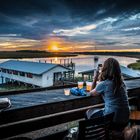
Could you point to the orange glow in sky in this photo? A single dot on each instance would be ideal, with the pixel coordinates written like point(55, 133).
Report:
point(53, 48)
point(56, 44)
point(53, 44)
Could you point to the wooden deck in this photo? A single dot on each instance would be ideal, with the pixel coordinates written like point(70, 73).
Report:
point(38, 98)
point(47, 107)
point(24, 100)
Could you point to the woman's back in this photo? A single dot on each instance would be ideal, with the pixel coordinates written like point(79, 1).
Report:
point(114, 102)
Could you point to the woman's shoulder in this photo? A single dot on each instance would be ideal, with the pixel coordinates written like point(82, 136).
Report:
point(102, 83)
point(107, 81)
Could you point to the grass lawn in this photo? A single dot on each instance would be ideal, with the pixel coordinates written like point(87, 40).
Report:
point(9, 87)
point(135, 66)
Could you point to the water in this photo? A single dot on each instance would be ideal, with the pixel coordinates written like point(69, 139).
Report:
point(82, 62)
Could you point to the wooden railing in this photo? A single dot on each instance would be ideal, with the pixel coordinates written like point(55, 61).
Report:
point(36, 123)
point(22, 120)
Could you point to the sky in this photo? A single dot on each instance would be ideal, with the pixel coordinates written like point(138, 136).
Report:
point(70, 25)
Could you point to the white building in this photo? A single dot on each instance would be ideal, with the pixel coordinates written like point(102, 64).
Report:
point(34, 73)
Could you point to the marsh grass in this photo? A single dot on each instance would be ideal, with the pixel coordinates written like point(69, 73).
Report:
point(10, 87)
point(135, 66)
point(31, 54)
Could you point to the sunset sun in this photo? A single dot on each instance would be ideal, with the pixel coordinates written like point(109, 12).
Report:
point(54, 48)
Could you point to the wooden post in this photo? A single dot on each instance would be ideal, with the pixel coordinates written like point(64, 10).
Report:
point(2, 79)
point(71, 60)
point(60, 61)
point(82, 76)
point(64, 62)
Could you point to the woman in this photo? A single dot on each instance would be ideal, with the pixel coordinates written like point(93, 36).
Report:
point(111, 87)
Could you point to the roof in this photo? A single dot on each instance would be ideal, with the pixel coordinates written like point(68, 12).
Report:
point(87, 71)
point(129, 72)
point(28, 66)
point(125, 71)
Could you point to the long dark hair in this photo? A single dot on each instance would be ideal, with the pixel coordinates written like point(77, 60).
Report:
point(111, 71)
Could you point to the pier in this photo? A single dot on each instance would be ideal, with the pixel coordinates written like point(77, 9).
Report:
point(65, 62)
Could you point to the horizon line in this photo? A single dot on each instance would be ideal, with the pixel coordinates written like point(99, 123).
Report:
point(123, 50)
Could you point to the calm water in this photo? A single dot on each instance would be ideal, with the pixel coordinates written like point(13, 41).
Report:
point(83, 62)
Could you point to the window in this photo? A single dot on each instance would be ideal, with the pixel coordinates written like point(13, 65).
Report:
point(3, 70)
point(21, 73)
point(15, 72)
point(29, 75)
point(9, 71)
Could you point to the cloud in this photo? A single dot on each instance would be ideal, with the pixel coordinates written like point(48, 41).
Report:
point(13, 42)
point(75, 31)
point(110, 19)
point(135, 17)
point(102, 11)
point(10, 35)
point(131, 29)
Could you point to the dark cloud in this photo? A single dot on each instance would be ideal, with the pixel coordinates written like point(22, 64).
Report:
point(22, 7)
point(38, 19)
point(75, 8)
point(108, 43)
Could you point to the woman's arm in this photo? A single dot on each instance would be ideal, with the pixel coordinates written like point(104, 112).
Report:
point(100, 87)
point(95, 79)
point(93, 93)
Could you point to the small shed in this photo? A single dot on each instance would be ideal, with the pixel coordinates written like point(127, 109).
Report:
point(126, 73)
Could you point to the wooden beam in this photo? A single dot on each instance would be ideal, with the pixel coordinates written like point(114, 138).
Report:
point(28, 125)
point(46, 109)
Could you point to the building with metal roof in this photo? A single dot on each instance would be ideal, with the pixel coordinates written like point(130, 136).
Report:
point(35, 73)
point(126, 73)
point(129, 73)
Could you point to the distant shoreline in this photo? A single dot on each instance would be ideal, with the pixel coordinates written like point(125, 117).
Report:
point(31, 54)
point(43, 54)
point(125, 54)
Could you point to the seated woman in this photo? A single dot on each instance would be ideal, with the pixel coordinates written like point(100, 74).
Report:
point(112, 88)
